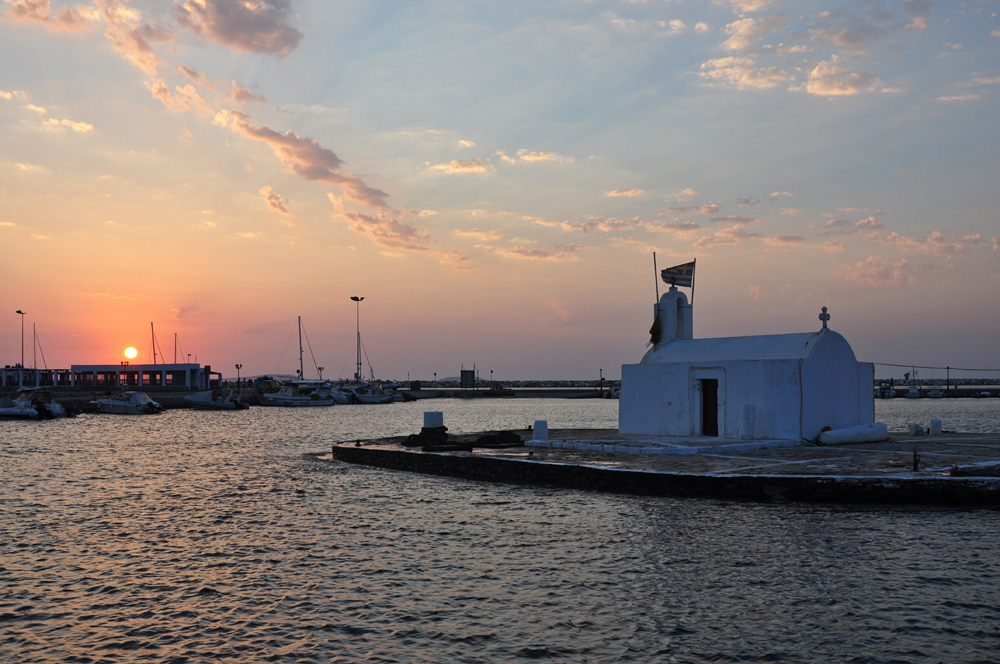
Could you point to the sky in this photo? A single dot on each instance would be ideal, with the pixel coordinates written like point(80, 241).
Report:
point(495, 179)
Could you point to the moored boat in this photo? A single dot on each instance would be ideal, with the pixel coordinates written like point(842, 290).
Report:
point(300, 393)
point(127, 403)
point(217, 400)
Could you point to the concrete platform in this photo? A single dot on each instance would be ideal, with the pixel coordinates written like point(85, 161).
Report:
point(902, 470)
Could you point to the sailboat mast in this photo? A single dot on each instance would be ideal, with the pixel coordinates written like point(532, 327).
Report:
point(152, 335)
point(302, 374)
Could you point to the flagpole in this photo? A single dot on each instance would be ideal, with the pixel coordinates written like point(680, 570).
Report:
point(693, 266)
point(656, 278)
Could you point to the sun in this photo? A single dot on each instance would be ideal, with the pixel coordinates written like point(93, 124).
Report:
point(130, 353)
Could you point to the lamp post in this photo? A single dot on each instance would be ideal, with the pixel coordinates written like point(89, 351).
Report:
point(238, 367)
point(22, 336)
point(320, 370)
point(357, 306)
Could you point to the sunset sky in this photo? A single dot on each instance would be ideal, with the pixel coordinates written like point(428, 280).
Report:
point(493, 178)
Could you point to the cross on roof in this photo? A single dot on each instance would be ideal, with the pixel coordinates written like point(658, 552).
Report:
point(824, 317)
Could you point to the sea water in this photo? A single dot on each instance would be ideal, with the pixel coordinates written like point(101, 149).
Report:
point(218, 537)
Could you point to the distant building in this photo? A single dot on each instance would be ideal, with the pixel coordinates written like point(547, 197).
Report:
point(769, 387)
point(187, 376)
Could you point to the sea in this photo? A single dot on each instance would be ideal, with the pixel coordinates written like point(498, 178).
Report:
point(197, 536)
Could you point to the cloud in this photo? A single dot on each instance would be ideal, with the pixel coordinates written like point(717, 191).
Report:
point(196, 77)
point(996, 247)
point(463, 144)
point(528, 156)
point(726, 236)
point(875, 271)
point(463, 167)
point(558, 314)
point(241, 95)
point(274, 200)
point(747, 6)
point(936, 243)
point(847, 226)
point(745, 31)
point(130, 37)
point(482, 236)
point(306, 158)
point(559, 253)
point(831, 80)
point(627, 193)
point(846, 32)
point(645, 26)
point(736, 220)
point(186, 99)
point(53, 124)
point(389, 232)
point(783, 240)
point(707, 209)
point(742, 73)
point(68, 19)
point(604, 224)
point(259, 26)
point(685, 195)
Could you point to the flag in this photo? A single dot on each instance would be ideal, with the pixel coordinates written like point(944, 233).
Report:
point(679, 275)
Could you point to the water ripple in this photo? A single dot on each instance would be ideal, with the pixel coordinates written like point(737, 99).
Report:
point(194, 537)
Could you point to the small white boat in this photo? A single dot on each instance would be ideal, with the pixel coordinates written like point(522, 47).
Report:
point(217, 400)
point(34, 404)
point(17, 411)
point(363, 392)
point(299, 393)
point(127, 403)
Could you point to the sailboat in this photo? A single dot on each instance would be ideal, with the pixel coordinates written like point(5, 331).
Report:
point(301, 392)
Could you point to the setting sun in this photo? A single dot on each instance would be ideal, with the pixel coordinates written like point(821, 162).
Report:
point(131, 352)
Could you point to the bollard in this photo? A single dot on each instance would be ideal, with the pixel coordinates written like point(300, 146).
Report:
point(433, 419)
point(541, 430)
point(935, 429)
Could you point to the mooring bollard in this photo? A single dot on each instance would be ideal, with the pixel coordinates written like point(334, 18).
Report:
point(541, 430)
point(433, 419)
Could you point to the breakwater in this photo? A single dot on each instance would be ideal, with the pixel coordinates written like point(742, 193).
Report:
point(632, 474)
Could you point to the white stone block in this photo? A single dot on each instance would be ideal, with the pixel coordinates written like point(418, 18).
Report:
point(541, 430)
point(433, 419)
point(936, 428)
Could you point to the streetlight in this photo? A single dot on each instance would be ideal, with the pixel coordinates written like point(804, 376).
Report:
point(357, 306)
point(238, 367)
point(22, 336)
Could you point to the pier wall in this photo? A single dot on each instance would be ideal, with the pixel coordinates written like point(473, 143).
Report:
point(873, 490)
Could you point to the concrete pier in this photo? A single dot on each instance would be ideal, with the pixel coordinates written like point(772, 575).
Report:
point(902, 470)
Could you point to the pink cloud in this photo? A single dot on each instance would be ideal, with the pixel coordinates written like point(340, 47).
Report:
point(247, 27)
point(241, 95)
point(306, 158)
point(69, 19)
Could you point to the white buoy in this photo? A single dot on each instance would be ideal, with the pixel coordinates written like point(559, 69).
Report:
point(541, 430)
point(433, 419)
point(749, 421)
point(935, 427)
point(863, 433)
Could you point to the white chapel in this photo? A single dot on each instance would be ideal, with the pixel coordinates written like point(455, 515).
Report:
point(768, 387)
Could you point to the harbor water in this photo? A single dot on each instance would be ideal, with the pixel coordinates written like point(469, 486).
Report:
point(198, 536)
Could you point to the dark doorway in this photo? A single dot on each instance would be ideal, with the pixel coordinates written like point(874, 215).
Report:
point(710, 407)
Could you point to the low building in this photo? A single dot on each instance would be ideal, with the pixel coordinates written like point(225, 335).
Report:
point(187, 376)
point(768, 387)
